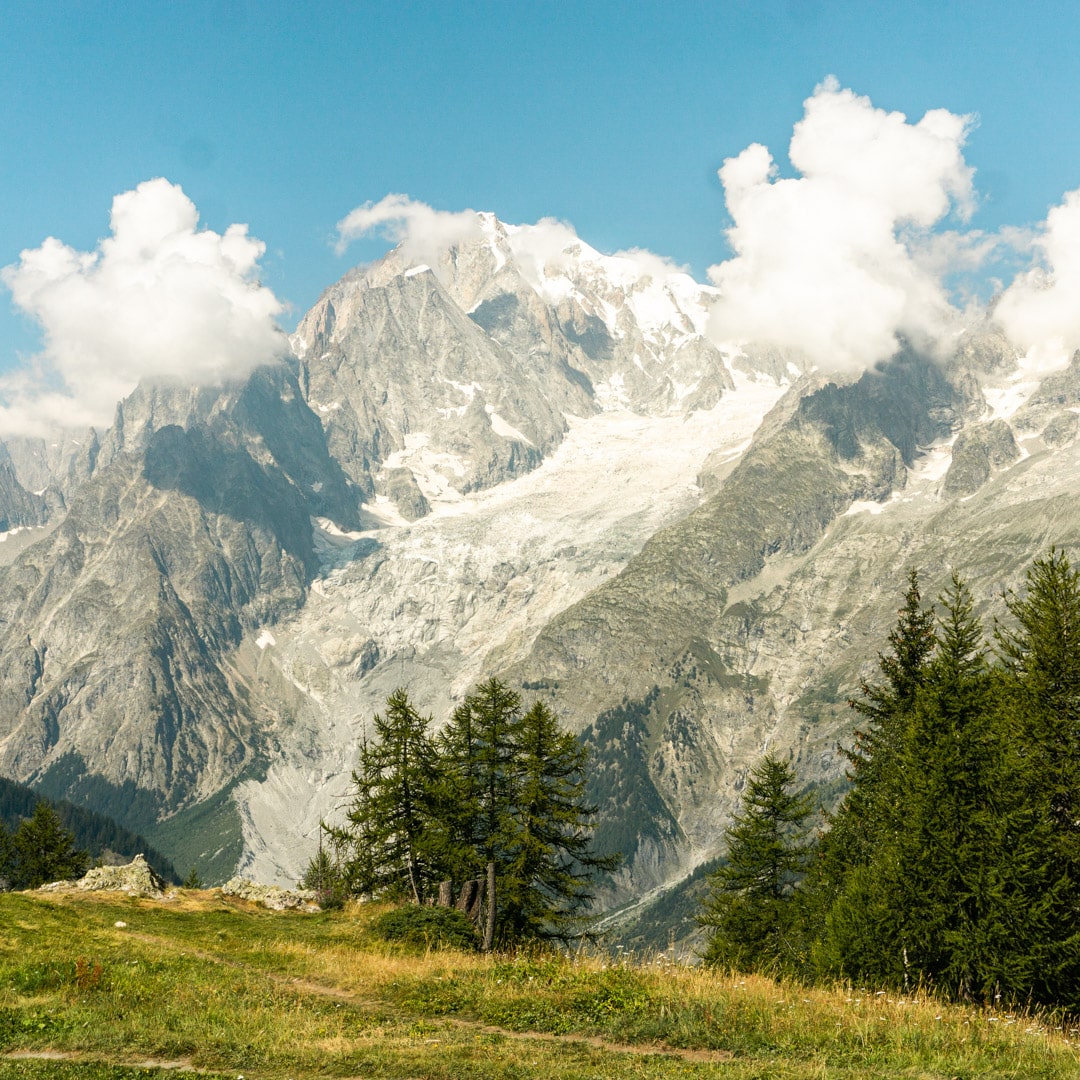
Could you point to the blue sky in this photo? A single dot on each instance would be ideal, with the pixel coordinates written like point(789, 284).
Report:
point(612, 116)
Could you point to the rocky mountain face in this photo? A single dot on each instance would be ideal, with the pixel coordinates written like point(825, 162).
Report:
point(524, 458)
point(119, 682)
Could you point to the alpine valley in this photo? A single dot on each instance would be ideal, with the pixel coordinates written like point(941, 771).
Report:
point(525, 459)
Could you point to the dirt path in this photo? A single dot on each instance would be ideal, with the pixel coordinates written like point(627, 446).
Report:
point(178, 1065)
point(306, 986)
point(597, 1042)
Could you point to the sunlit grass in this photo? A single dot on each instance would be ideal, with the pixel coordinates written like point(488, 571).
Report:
point(231, 989)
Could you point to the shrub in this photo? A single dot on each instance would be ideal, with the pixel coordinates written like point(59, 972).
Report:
point(426, 927)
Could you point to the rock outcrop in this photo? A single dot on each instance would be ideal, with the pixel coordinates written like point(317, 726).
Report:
point(273, 897)
point(136, 878)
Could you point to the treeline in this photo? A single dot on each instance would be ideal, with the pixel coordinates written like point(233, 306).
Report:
point(953, 862)
point(487, 815)
point(93, 835)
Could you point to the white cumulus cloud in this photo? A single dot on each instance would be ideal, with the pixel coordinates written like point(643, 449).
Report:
point(1040, 311)
point(421, 232)
point(158, 298)
point(827, 262)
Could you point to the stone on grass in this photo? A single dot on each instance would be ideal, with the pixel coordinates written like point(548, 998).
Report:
point(271, 896)
point(137, 878)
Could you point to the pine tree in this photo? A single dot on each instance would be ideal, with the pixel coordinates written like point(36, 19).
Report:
point(752, 909)
point(516, 815)
point(1041, 659)
point(842, 914)
point(482, 761)
point(870, 809)
point(550, 863)
point(45, 851)
point(393, 823)
point(945, 899)
point(939, 855)
point(498, 795)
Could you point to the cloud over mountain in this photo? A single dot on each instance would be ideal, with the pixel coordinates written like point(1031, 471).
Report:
point(422, 231)
point(158, 298)
point(825, 262)
point(1040, 311)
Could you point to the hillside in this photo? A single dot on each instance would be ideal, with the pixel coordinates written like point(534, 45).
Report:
point(94, 833)
point(519, 458)
point(200, 983)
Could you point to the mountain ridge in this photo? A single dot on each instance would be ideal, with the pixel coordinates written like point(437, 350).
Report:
point(518, 458)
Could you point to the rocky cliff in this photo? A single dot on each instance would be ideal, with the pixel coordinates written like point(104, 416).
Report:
point(520, 459)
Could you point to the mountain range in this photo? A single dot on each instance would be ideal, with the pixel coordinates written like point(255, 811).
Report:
point(525, 459)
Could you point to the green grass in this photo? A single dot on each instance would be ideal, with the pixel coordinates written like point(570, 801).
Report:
point(231, 990)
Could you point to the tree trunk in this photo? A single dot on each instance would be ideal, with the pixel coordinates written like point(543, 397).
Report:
point(470, 898)
point(413, 882)
point(489, 929)
point(446, 895)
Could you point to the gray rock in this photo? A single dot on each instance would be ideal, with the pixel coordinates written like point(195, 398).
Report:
point(137, 878)
point(401, 488)
point(1061, 430)
point(271, 896)
point(977, 452)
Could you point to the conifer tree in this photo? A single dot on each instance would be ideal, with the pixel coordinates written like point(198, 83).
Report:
point(550, 863)
point(842, 913)
point(1041, 658)
point(869, 812)
point(394, 826)
point(482, 777)
point(752, 909)
point(946, 899)
point(516, 814)
point(498, 795)
point(43, 850)
point(945, 761)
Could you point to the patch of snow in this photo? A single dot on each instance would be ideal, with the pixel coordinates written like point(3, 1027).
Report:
point(611, 393)
point(41, 492)
point(865, 506)
point(933, 463)
point(332, 407)
point(265, 638)
point(503, 428)
point(1005, 400)
point(684, 390)
point(13, 532)
point(328, 527)
point(468, 389)
point(423, 268)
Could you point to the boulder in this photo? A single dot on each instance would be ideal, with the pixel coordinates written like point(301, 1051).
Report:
point(273, 897)
point(137, 878)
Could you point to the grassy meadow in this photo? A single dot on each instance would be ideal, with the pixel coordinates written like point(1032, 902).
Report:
point(104, 987)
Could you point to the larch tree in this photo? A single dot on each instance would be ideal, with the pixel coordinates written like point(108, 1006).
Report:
point(393, 834)
point(550, 863)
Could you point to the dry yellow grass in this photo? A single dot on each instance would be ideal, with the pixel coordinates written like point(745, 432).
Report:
point(233, 988)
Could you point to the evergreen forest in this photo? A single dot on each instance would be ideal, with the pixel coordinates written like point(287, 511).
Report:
point(487, 816)
point(953, 862)
point(43, 840)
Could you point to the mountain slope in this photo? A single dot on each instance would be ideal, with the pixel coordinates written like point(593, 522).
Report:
point(524, 458)
point(118, 628)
